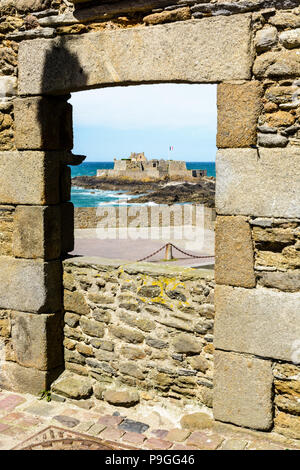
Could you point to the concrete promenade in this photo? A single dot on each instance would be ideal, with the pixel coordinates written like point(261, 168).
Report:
point(87, 244)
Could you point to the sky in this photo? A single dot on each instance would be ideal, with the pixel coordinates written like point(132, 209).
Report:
point(113, 122)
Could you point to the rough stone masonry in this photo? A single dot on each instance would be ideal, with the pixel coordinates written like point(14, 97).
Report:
point(250, 48)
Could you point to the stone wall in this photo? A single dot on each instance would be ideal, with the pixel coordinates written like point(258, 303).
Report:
point(251, 49)
point(139, 327)
point(90, 217)
point(6, 229)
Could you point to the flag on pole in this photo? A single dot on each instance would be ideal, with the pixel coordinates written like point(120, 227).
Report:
point(171, 148)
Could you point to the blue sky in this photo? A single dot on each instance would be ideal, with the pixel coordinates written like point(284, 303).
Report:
point(113, 122)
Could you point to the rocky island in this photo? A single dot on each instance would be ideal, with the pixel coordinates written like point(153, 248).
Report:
point(158, 181)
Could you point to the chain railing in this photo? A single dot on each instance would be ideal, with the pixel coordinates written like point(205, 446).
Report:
point(167, 247)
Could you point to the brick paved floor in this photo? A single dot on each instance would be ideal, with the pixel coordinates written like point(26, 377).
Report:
point(22, 416)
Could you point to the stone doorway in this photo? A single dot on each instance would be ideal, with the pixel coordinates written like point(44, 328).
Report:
point(252, 335)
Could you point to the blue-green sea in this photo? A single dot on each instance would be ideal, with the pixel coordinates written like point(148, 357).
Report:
point(95, 197)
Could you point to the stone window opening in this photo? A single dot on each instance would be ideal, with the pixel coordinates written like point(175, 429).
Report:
point(256, 328)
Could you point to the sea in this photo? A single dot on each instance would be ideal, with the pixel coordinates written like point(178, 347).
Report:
point(95, 197)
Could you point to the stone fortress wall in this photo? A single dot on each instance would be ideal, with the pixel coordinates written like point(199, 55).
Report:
point(137, 167)
point(250, 48)
point(150, 216)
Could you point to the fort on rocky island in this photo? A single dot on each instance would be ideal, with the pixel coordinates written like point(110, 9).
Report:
point(137, 166)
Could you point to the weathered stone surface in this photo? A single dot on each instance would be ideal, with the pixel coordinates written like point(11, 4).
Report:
point(280, 118)
point(179, 14)
point(243, 390)
point(244, 324)
point(234, 252)
point(30, 285)
point(73, 334)
point(272, 140)
point(288, 258)
point(277, 65)
point(72, 319)
point(199, 363)
point(37, 232)
point(31, 34)
point(101, 370)
point(156, 343)
point(41, 60)
point(84, 349)
point(288, 404)
point(281, 94)
point(265, 38)
point(8, 86)
point(75, 357)
point(137, 321)
point(5, 327)
point(196, 421)
point(288, 387)
point(43, 123)
point(184, 343)
point(130, 368)
point(104, 355)
point(266, 235)
point(127, 334)
point(286, 371)
point(257, 186)
point(121, 398)
point(92, 327)
point(266, 129)
point(75, 302)
point(149, 291)
point(238, 110)
point(287, 281)
point(288, 425)
point(177, 294)
point(133, 353)
point(69, 281)
point(25, 6)
point(6, 229)
point(37, 340)
point(285, 19)
point(102, 344)
point(25, 379)
point(290, 39)
point(98, 390)
point(29, 177)
point(72, 386)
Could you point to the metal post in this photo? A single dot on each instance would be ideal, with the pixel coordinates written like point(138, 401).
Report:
point(169, 254)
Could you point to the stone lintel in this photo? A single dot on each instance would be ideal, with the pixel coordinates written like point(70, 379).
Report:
point(184, 51)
